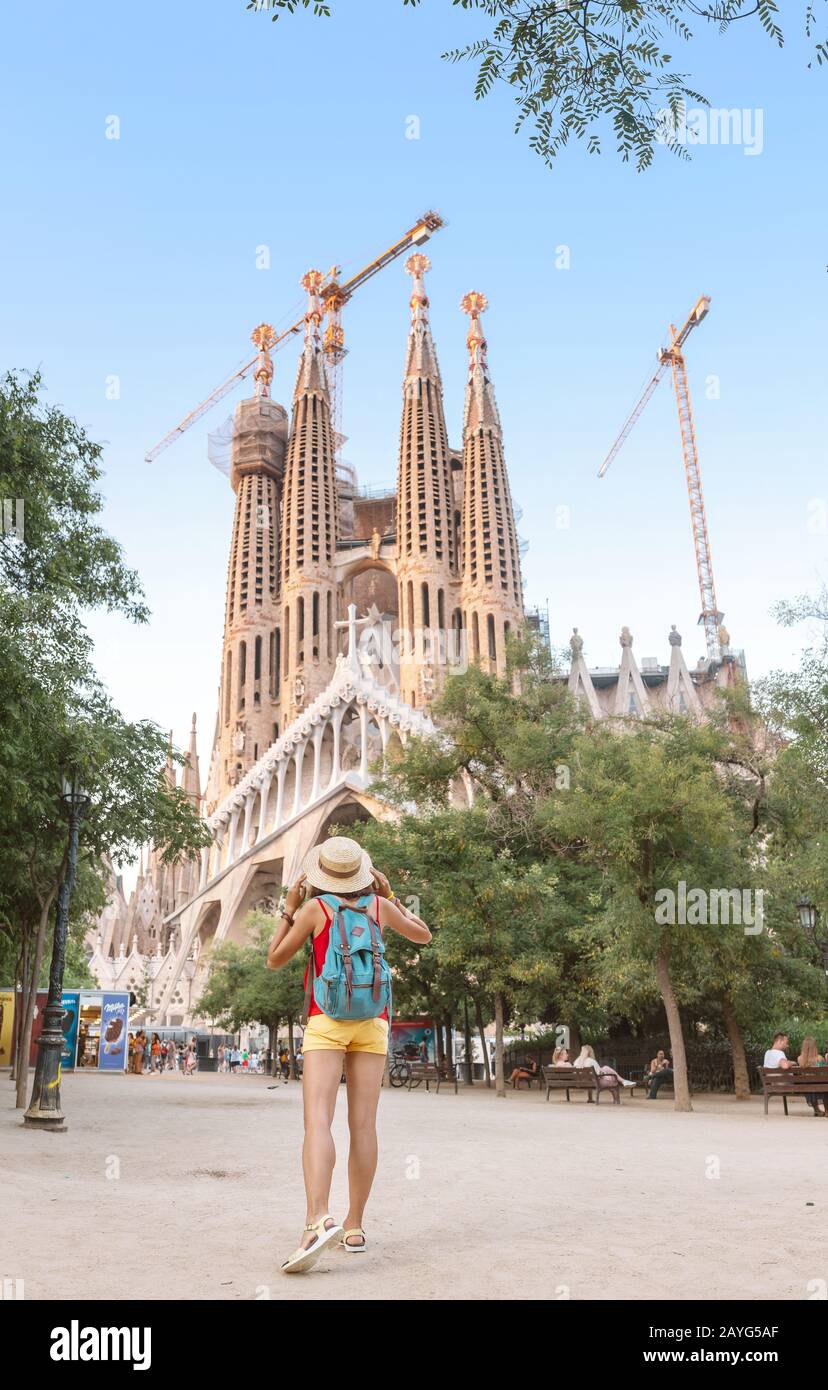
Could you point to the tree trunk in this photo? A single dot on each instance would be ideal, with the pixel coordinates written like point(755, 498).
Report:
point(292, 1051)
point(468, 1043)
point(681, 1087)
point(481, 1028)
point(27, 1003)
point(19, 994)
point(439, 1050)
point(449, 1044)
point(741, 1079)
point(499, 1060)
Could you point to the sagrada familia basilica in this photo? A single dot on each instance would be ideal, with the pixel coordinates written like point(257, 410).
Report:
point(346, 610)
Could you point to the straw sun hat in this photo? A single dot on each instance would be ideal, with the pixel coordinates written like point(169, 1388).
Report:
point(338, 865)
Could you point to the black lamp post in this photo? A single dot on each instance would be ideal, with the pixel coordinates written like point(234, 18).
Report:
point(808, 918)
point(44, 1110)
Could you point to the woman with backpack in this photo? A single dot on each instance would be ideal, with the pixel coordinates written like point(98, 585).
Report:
point(342, 904)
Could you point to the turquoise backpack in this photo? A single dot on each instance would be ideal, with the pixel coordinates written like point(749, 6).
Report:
point(355, 982)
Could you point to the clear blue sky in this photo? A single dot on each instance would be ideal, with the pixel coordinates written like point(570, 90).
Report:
point(136, 258)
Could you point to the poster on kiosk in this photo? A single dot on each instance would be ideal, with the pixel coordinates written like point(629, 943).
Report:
point(103, 1032)
point(114, 1032)
point(70, 1003)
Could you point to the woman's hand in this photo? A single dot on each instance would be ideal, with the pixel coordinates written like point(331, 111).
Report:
point(296, 896)
point(381, 884)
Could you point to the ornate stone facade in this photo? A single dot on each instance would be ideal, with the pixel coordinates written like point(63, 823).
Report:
point(345, 612)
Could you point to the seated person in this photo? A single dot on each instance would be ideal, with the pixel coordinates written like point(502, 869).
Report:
point(657, 1064)
point(661, 1074)
point(586, 1058)
point(560, 1058)
point(775, 1055)
point(526, 1072)
point(810, 1057)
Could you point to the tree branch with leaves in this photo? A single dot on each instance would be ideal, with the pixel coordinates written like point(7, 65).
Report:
point(576, 67)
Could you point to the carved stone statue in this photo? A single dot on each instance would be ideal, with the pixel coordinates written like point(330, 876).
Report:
point(576, 644)
point(626, 637)
point(675, 637)
point(376, 543)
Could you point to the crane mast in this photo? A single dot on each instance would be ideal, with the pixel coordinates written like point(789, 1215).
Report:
point(672, 357)
point(334, 296)
point(710, 617)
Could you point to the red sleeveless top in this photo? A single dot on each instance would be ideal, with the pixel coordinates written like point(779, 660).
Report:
point(320, 950)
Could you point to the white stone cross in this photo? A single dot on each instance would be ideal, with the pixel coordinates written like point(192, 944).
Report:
point(352, 622)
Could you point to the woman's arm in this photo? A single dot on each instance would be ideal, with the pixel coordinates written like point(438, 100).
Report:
point(290, 935)
point(394, 915)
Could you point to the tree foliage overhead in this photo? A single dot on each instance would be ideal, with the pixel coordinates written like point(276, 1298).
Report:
point(56, 564)
point(576, 67)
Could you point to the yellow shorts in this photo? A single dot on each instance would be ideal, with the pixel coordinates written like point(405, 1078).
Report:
point(335, 1035)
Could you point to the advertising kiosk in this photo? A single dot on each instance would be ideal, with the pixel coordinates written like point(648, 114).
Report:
point(95, 1028)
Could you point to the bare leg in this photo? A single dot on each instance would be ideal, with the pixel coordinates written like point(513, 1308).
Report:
point(363, 1076)
point(323, 1069)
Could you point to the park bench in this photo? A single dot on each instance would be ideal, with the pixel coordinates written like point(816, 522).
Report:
point(429, 1072)
point(580, 1079)
point(793, 1081)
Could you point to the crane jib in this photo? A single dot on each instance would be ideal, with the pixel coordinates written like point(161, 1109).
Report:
point(333, 294)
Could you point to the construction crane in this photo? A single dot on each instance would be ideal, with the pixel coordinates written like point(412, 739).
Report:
point(673, 356)
point(335, 296)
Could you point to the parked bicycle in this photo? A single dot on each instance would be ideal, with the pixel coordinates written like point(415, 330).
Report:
point(399, 1072)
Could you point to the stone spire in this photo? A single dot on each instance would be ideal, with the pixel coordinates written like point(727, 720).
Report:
point(492, 595)
point(421, 356)
point(309, 523)
point(426, 528)
point(264, 337)
point(190, 777)
point(481, 407)
point(169, 766)
point(250, 715)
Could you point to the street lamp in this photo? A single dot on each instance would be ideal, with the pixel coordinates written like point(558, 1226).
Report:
point(808, 918)
point(44, 1110)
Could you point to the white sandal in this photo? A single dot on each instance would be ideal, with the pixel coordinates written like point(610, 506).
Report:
point(353, 1249)
point(305, 1257)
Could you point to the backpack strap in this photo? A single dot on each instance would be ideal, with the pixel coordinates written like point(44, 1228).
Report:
point(373, 927)
point(346, 954)
point(311, 970)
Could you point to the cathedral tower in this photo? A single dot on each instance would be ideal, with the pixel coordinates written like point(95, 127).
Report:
point(491, 584)
point(427, 572)
point(249, 708)
point(309, 525)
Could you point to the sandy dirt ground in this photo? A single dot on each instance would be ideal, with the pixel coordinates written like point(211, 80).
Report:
point(173, 1188)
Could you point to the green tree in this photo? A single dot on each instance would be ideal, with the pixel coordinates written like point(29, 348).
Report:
point(795, 704)
point(498, 887)
point(486, 909)
point(651, 813)
point(584, 67)
point(58, 720)
point(241, 989)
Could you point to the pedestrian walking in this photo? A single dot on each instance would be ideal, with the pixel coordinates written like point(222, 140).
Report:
point(347, 1006)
